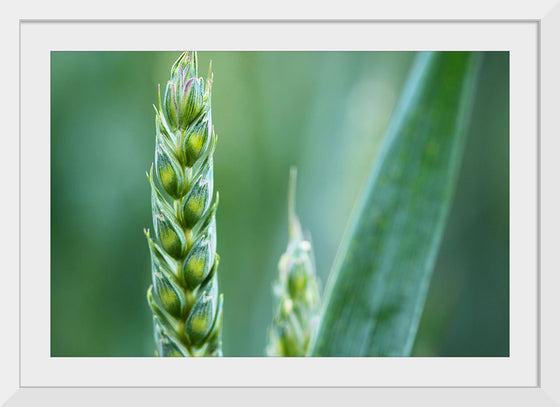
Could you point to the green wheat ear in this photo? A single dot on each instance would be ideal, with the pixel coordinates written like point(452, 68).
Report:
point(296, 291)
point(184, 296)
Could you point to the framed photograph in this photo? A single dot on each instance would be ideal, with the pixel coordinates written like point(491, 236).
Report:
point(470, 297)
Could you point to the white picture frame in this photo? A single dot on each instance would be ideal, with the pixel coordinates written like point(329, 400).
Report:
point(31, 376)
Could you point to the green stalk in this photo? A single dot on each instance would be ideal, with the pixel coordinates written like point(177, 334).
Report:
point(184, 298)
point(296, 291)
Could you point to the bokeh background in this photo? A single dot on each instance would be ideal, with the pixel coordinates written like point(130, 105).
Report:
point(326, 113)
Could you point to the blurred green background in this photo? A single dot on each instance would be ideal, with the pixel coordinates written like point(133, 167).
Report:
point(324, 112)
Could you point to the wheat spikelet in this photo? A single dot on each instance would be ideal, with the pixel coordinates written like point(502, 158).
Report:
point(295, 290)
point(184, 297)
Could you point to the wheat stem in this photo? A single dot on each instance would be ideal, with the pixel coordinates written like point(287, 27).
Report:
point(184, 297)
point(295, 290)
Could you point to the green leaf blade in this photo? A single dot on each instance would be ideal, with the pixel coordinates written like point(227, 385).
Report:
point(377, 288)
